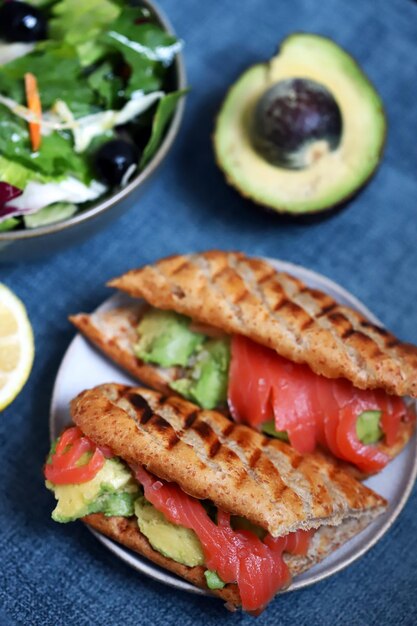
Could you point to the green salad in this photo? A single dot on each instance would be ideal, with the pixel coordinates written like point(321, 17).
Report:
point(85, 99)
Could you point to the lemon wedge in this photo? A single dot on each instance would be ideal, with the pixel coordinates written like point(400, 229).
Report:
point(16, 346)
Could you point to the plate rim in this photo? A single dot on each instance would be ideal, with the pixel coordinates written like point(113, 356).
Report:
point(150, 569)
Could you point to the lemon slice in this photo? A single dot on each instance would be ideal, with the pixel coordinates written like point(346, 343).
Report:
point(16, 346)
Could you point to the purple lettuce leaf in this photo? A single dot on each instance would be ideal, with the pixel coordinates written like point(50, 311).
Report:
point(8, 193)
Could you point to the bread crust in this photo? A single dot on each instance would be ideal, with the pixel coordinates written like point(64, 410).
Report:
point(114, 332)
point(240, 470)
point(244, 295)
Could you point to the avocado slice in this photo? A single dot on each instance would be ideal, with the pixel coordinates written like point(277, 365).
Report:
point(112, 491)
point(165, 338)
point(269, 429)
point(206, 379)
point(172, 540)
point(213, 580)
point(368, 427)
point(333, 160)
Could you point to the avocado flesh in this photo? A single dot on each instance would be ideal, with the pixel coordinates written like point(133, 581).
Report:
point(213, 580)
point(173, 541)
point(338, 174)
point(165, 339)
point(368, 427)
point(112, 491)
point(269, 429)
point(206, 381)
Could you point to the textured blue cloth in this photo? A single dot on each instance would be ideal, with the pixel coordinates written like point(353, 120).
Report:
point(53, 575)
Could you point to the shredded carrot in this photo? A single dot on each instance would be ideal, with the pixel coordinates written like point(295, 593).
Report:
point(34, 104)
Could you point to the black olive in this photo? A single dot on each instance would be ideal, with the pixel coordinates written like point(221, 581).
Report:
point(295, 123)
point(113, 159)
point(22, 22)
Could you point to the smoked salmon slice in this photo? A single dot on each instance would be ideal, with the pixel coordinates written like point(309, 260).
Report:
point(312, 409)
point(238, 556)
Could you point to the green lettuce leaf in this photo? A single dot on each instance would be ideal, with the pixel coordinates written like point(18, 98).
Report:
point(145, 47)
point(80, 22)
point(58, 73)
point(106, 85)
point(8, 224)
point(164, 112)
point(50, 214)
point(16, 174)
point(39, 3)
point(56, 157)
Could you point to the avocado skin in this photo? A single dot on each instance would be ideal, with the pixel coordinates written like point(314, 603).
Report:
point(326, 209)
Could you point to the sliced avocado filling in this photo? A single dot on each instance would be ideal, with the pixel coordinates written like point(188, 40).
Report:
point(173, 541)
point(213, 580)
point(269, 429)
point(166, 340)
point(112, 491)
point(368, 428)
point(206, 379)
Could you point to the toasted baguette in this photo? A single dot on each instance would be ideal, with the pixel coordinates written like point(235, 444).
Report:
point(114, 332)
point(210, 457)
point(248, 296)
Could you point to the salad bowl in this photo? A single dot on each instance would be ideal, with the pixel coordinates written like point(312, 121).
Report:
point(22, 244)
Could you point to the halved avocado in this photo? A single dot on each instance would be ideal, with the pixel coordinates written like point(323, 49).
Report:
point(302, 132)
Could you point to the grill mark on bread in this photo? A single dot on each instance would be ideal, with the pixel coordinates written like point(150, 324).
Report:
point(313, 302)
point(229, 429)
point(256, 288)
point(254, 458)
point(307, 323)
point(326, 309)
point(331, 318)
point(380, 339)
point(180, 267)
point(203, 429)
point(247, 446)
point(347, 333)
point(214, 448)
point(190, 419)
point(140, 403)
point(204, 267)
point(199, 435)
point(299, 483)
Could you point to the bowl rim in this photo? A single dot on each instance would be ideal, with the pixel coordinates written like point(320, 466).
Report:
point(145, 174)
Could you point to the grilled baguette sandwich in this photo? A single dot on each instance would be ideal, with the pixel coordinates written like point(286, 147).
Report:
point(234, 471)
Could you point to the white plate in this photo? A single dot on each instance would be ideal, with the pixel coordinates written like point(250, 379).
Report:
point(83, 367)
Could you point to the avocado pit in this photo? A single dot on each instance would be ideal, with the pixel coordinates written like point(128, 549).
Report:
point(296, 122)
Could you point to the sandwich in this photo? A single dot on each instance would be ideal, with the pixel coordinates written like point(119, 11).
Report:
point(217, 503)
point(232, 333)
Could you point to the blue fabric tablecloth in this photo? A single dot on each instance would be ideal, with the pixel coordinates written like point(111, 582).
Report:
point(54, 575)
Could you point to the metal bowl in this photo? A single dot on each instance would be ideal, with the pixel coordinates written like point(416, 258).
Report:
point(27, 244)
